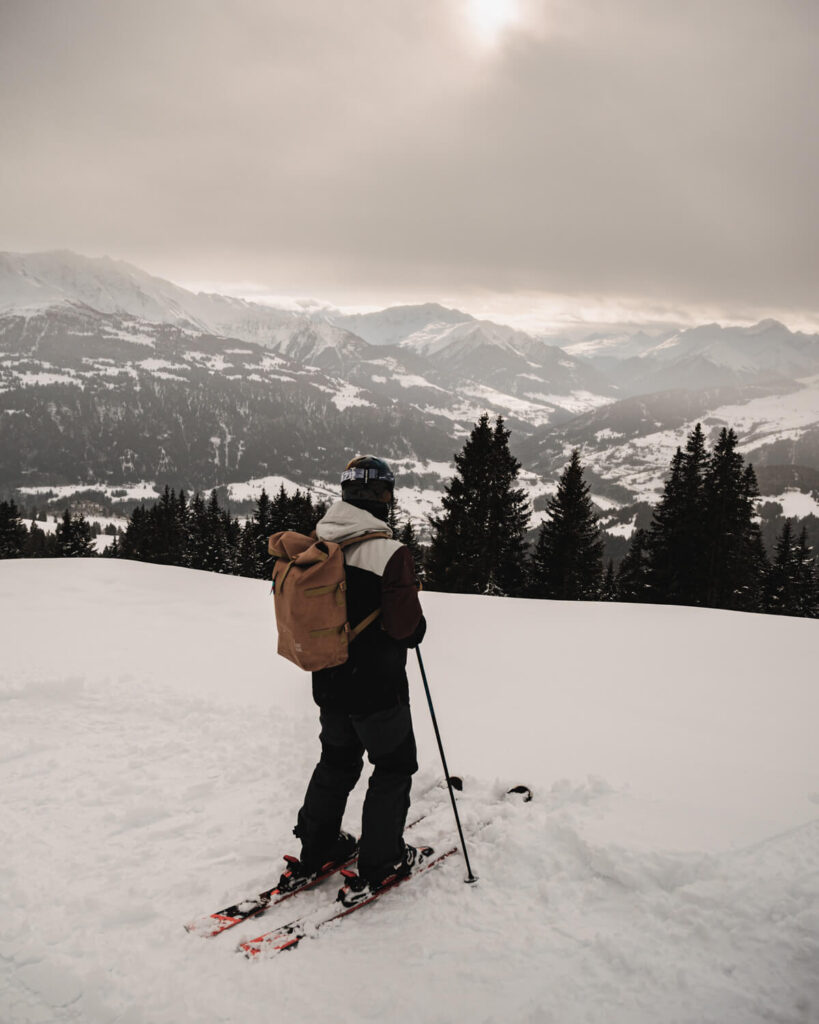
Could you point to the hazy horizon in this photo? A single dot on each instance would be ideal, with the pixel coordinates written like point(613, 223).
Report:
point(533, 314)
point(535, 162)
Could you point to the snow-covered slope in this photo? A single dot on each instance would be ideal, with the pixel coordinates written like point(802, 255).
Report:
point(316, 341)
point(512, 361)
point(631, 444)
point(454, 340)
point(704, 356)
point(391, 326)
point(154, 752)
point(43, 279)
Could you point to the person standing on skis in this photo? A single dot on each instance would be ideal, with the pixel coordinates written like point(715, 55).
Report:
point(364, 703)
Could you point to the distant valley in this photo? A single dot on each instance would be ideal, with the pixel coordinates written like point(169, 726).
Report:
point(112, 379)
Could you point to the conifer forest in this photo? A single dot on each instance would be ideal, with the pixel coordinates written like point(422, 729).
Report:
point(703, 545)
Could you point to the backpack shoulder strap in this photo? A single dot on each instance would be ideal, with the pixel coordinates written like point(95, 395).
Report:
point(370, 619)
point(364, 536)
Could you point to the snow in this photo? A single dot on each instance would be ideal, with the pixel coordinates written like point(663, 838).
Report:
point(27, 380)
point(154, 751)
point(622, 529)
point(161, 364)
point(250, 490)
point(606, 504)
point(445, 470)
point(347, 395)
point(143, 491)
point(577, 402)
point(795, 503)
point(530, 412)
point(641, 464)
point(411, 380)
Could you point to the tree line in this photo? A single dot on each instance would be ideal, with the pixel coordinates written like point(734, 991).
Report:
point(703, 546)
point(73, 537)
point(194, 533)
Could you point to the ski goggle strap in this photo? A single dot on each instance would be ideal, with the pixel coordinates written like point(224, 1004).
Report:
point(366, 475)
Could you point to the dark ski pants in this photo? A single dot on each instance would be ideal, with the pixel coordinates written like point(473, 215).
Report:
point(389, 742)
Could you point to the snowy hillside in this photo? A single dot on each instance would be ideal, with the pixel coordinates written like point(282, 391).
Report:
point(153, 753)
point(630, 444)
point(704, 357)
point(310, 340)
point(391, 326)
point(40, 280)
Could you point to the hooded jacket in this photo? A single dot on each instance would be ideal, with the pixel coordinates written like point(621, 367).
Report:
point(380, 574)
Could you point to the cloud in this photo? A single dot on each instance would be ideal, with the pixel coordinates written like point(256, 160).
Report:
point(646, 149)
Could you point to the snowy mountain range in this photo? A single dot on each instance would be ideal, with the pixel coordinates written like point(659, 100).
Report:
point(109, 375)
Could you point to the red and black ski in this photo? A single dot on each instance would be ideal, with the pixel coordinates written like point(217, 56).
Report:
point(253, 906)
point(215, 924)
point(288, 936)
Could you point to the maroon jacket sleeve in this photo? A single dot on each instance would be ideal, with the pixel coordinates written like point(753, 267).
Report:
point(401, 614)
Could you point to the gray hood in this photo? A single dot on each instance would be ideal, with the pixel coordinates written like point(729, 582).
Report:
point(344, 521)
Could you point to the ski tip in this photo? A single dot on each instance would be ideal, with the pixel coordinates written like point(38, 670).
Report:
point(523, 791)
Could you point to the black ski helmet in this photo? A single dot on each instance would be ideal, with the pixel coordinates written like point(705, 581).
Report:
point(367, 478)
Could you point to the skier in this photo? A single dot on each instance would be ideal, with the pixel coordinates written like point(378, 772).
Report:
point(364, 703)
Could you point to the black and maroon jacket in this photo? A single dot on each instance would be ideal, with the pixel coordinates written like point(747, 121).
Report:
point(380, 574)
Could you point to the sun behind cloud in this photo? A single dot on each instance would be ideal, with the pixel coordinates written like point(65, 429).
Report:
point(488, 19)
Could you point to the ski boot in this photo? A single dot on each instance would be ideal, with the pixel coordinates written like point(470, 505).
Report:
point(298, 874)
point(358, 889)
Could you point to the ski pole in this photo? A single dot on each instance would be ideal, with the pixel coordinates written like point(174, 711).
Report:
point(469, 877)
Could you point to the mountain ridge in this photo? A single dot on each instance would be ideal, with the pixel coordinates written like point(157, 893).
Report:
point(623, 402)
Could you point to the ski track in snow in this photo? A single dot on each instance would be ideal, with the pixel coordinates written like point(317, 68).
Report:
point(144, 783)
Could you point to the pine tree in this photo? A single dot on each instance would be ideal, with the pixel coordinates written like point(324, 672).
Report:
point(183, 530)
point(691, 539)
point(232, 531)
point(408, 536)
point(663, 537)
point(217, 553)
point(478, 542)
point(280, 512)
point(301, 515)
point(199, 534)
point(735, 560)
point(633, 576)
point(392, 516)
point(608, 591)
point(260, 527)
point(455, 556)
point(791, 584)
point(38, 543)
point(137, 541)
point(13, 534)
point(568, 558)
point(677, 542)
point(509, 516)
point(113, 549)
point(807, 580)
point(249, 563)
point(780, 586)
point(169, 539)
point(73, 537)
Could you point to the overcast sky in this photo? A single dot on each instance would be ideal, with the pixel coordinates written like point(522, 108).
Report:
point(638, 156)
